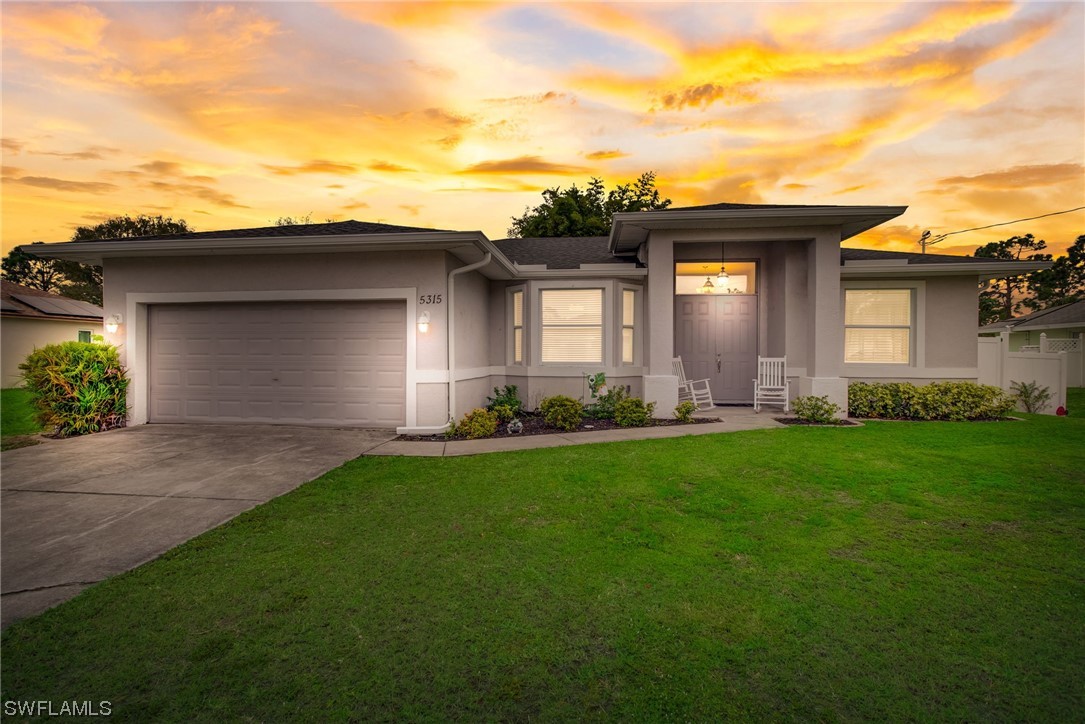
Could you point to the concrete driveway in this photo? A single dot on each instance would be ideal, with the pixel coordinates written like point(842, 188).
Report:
point(77, 511)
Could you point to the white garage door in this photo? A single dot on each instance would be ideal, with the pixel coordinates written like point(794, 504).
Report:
point(323, 363)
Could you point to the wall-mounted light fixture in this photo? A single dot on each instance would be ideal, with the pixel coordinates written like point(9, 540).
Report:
point(423, 322)
point(113, 323)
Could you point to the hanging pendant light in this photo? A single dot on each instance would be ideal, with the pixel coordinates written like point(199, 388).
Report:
point(708, 287)
point(723, 276)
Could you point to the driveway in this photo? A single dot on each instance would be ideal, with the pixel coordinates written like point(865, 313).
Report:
point(77, 511)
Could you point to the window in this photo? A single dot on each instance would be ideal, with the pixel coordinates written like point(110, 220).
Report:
point(518, 327)
point(629, 307)
point(84, 335)
point(572, 325)
point(878, 326)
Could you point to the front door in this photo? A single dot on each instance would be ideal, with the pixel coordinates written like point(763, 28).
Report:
point(716, 336)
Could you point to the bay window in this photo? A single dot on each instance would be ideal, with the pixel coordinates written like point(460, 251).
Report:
point(571, 325)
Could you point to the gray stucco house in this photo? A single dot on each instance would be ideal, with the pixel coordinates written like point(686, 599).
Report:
point(361, 324)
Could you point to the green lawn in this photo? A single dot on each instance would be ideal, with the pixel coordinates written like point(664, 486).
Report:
point(16, 418)
point(1075, 401)
point(896, 571)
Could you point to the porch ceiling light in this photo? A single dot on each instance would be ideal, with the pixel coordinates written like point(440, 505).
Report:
point(113, 323)
point(723, 276)
point(423, 322)
point(708, 287)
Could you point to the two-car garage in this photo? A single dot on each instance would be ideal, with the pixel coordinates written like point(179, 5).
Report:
point(290, 362)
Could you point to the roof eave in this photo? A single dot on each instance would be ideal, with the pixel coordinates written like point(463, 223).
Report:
point(93, 252)
point(993, 270)
point(862, 218)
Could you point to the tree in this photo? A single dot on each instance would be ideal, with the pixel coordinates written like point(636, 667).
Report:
point(1063, 283)
point(1003, 298)
point(84, 281)
point(32, 271)
point(586, 212)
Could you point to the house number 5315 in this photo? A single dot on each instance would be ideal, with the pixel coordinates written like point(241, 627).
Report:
point(429, 299)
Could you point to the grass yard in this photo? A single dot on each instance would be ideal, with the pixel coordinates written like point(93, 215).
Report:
point(16, 419)
point(895, 571)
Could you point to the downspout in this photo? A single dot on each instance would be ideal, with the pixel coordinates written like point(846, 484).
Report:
point(450, 326)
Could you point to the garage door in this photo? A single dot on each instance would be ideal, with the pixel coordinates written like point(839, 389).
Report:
point(322, 363)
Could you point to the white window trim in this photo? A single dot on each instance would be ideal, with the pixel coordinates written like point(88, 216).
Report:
point(509, 343)
point(537, 288)
point(918, 352)
point(637, 325)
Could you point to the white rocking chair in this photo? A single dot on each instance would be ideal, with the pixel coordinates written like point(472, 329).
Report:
point(696, 391)
point(771, 385)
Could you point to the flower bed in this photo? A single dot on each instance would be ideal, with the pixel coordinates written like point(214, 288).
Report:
point(535, 425)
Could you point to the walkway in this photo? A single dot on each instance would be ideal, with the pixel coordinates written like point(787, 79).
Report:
point(733, 419)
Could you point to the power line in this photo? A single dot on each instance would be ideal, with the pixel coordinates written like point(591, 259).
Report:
point(926, 240)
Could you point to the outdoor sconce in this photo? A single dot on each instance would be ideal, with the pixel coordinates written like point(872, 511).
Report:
point(113, 323)
point(423, 322)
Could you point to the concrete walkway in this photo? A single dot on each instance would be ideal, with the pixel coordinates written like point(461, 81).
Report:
point(77, 511)
point(733, 419)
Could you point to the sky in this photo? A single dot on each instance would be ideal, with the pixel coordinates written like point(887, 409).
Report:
point(456, 115)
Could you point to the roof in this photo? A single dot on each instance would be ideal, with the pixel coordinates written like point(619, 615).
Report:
point(910, 257)
point(331, 228)
point(17, 300)
point(733, 207)
point(1064, 315)
point(560, 252)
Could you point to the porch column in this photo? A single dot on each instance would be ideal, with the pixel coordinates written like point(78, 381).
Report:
point(660, 383)
point(825, 325)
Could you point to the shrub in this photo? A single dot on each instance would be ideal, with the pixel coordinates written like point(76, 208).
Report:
point(603, 408)
point(509, 396)
point(1031, 395)
point(77, 387)
point(477, 423)
point(816, 409)
point(562, 412)
point(684, 411)
point(504, 413)
point(632, 412)
point(935, 401)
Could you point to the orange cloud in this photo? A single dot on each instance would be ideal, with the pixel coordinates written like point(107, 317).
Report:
point(316, 166)
point(58, 184)
point(605, 155)
point(389, 167)
point(1021, 176)
point(525, 165)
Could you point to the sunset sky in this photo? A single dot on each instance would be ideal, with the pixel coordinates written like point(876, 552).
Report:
point(456, 115)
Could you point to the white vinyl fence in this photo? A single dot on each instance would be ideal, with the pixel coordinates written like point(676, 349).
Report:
point(998, 366)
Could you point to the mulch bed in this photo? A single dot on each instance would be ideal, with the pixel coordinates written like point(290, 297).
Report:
point(797, 421)
point(535, 425)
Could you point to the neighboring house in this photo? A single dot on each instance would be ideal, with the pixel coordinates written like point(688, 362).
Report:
point(1066, 321)
point(1046, 332)
point(31, 318)
point(361, 324)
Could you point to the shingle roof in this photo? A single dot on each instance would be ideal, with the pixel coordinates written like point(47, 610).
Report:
point(1072, 313)
point(334, 228)
point(911, 256)
point(21, 301)
point(561, 252)
point(569, 252)
point(728, 207)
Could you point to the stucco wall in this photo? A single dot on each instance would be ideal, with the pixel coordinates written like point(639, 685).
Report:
point(952, 317)
point(289, 276)
point(20, 337)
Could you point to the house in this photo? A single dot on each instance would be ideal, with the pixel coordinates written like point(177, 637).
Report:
point(1066, 321)
point(31, 318)
point(1048, 331)
point(363, 324)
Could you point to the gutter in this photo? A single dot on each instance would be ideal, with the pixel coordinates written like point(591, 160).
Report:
point(981, 270)
point(450, 327)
